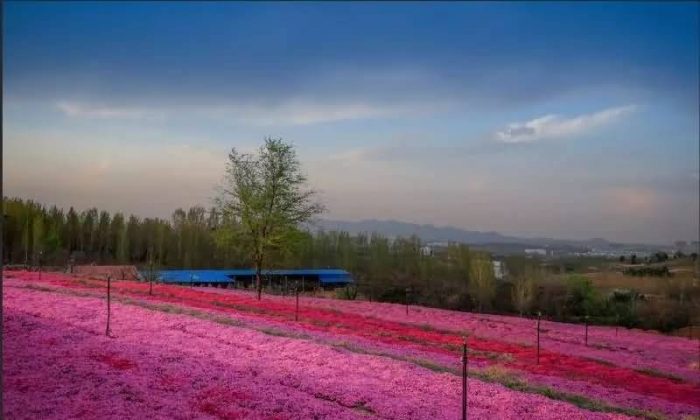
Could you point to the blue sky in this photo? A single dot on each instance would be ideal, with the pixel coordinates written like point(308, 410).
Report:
point(540, 119)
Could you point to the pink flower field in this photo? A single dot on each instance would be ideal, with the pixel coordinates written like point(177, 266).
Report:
point(189, 353)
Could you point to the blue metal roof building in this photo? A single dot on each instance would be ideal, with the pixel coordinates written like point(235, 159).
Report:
point(327, 278)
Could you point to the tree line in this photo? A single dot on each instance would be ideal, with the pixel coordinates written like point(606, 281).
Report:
point(385, 269)
point(34, 234)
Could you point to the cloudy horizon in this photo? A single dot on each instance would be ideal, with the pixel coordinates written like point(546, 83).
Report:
point(567, 121)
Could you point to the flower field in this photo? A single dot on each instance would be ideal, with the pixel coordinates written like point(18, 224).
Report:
point(208, 353)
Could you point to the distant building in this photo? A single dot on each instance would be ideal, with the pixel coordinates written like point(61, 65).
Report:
point(536, 251)
point(426, 251)
point(498, 270)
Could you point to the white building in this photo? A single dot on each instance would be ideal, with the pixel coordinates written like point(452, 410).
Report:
point(426, 251)
point(536, 251)
point(499, 270)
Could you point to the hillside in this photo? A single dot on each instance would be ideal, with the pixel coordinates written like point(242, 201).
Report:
point(215, 353)
point(432, 233)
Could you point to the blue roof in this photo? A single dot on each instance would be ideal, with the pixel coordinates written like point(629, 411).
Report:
point(325, 276)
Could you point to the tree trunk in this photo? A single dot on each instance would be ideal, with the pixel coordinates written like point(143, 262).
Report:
point(258, 281)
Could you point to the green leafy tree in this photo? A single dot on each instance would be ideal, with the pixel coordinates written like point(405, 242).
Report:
point(26, 240)
point(73, 233)
point(582, 298)
point(103, 240)
point(38, 237)
point(89, 220)
point(53, 240)
point(266, 200)
point(116, 232)
point(123, 246)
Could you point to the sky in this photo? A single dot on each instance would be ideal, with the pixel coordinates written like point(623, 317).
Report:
point(566, 120)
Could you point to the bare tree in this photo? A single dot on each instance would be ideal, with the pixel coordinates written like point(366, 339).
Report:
point(264, 201)
point(481, 281)
point(524, 286)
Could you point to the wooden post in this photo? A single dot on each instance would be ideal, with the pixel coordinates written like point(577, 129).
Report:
point(539, 315)
point(296, 314)
point(407, 291)
point(151, 273)
point(109, 302)
point(464, 380)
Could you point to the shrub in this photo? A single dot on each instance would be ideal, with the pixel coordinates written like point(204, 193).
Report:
point(346, 293)
point(648, 271)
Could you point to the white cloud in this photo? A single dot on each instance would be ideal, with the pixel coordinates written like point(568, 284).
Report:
point(555, 126)
point(293, 112)
point(81, 110)
point(302, 112)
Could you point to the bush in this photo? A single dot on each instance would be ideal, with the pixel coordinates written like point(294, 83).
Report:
point(661, 315)
point(582, 299)
point(648, 271)
point(346, 293)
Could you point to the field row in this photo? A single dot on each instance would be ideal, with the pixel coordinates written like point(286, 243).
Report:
point(371, 358)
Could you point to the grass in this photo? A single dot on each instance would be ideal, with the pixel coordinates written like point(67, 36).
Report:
point(435, 367)
point(363, 408)
point(601, 361)
point(609, 280)
point(491, 355)
point(280, 333)
point(659, 374)
point(503, 376)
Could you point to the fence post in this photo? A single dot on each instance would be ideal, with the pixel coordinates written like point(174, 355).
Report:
point(151, 274)
point(539, 315)
point(40, 254)
point(586, 339)
point(109, 302)
point(296, 313)
point(464, 379)
point(408, 290)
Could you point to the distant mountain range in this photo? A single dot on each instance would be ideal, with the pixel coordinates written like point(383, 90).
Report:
point(431, 233)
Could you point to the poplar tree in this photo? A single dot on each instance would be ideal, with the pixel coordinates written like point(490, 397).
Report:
point(265, 200)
